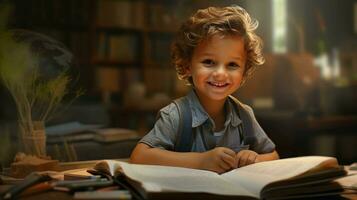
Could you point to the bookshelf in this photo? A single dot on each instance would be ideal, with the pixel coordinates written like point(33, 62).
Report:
point(133, 38)
point(115, 43)
point(66, 21)
point(131, 34)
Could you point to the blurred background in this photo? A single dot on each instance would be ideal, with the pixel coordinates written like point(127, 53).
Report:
point(304, 96)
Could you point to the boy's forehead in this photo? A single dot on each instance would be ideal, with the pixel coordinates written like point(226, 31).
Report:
point(220, 41)
point(214, 39)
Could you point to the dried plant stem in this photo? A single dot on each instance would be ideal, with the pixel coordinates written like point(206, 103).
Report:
point(36, 98)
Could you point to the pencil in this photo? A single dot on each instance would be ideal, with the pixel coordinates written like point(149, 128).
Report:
point(29, 181)
point(41, 187)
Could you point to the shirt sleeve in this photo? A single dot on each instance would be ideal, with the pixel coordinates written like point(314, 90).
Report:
point(163, 134)
point(255, 136)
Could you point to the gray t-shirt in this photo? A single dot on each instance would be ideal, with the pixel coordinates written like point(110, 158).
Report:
point(164, 133)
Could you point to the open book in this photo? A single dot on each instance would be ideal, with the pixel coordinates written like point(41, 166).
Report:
point(280, 179)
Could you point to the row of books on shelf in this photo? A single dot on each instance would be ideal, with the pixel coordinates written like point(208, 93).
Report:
point(109, 13)
point(63, 13)
point(117, 47)
point(160, 46)
point(120, 79)
point(135, 14)
point(127, 48)
point(128, 14)
point(164, 17)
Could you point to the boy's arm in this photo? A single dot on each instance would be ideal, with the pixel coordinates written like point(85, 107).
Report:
point(144, 154)
point(219, 159)
point(268, 156)
point(247, 157)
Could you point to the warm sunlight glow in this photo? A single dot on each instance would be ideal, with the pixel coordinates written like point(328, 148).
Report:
point(279, 26)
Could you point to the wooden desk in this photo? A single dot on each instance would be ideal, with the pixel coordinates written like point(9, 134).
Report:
point(57, 195)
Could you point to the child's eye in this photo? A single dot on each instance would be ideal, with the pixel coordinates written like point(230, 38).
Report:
point(208, 62)
point(233, 65)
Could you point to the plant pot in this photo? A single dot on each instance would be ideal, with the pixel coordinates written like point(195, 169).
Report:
point(33, 138)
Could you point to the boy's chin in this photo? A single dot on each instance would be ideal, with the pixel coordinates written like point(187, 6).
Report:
point(217, 97)
point(213, 95)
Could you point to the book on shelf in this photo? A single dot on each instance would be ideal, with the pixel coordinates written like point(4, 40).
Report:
point(164, 17)
point(297, 177)
point(160, 46)
point(131, 75)
point(166, 75)
point(117, 47)
point(102, 48)
point(123, 48)
point(114, 13)
point(108, 79)
point(124, 14)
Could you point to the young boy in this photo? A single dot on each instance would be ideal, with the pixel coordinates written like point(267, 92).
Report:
point(215, 50)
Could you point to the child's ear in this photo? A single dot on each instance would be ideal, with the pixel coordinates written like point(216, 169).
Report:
point(188, 71)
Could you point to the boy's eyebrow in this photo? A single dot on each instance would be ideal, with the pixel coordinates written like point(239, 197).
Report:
point(207, 54)
point(212, 54)
point(237, 58)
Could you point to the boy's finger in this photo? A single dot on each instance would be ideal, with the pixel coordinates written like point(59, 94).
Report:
point(243, 160)
point(230, 160)
point(236, 161)
point(229, 152)
point(238, 157)
point(251, 158)
point(224, 165)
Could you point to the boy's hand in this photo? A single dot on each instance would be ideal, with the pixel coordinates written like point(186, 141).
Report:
point(219, 159)
point(246, 157)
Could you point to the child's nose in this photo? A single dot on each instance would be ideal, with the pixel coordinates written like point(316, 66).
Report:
point(220, 71)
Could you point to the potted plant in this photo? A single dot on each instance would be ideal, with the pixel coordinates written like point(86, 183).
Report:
point(34, 68)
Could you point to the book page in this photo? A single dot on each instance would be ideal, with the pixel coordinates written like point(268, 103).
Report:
point(77, 174)
point(254, 177)
point(349, 181)
point(108, 166)
point(155, 178)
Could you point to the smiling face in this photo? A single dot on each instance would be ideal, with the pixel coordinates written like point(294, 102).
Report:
point(217, 67)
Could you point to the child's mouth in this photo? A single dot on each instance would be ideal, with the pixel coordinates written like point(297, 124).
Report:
point(219, 85)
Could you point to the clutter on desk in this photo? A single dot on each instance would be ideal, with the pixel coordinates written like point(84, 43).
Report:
point(115, 194)
point(44, 181)
point(82, 185)
point(29, 181)
point(78, 174)
point(24, 164)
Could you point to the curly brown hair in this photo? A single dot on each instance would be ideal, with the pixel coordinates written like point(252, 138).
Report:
point(205, 23)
